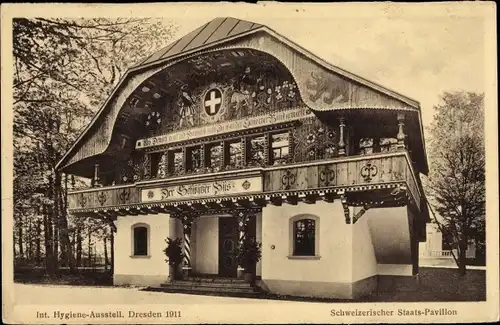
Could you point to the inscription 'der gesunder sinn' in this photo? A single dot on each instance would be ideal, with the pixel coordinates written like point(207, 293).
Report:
point(197, 189)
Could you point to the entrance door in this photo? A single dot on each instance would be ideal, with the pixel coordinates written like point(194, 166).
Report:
point(228, 241)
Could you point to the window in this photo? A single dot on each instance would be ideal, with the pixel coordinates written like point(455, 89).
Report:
point(214, 156)
point(140, 240)
point(155, 161)
point(234, 154)
point(388, 144)
point(257, 149)
point(366, 146)
point(304, 237)
point(279, 147)
point(176, 162)
point(193, 157)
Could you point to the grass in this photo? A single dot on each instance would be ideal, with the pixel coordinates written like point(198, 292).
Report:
point(435, 284)
point(439, 284)
point(83, 277)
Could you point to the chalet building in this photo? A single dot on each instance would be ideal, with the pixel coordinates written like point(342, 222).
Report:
point(233, 132)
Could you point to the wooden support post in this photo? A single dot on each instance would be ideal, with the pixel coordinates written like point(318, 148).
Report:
point(342, 151)
point(187, 222)
point(242, 223)
point(243, 151)
point(97, 180)
point(267, 149)
point(401, 137)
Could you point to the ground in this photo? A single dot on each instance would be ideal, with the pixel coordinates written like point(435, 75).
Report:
point(436, 284)
point(33, 294)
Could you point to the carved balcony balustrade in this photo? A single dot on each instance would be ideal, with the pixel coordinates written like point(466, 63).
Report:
point(378, 179)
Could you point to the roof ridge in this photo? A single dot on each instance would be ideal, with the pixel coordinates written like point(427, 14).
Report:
point(189, 37)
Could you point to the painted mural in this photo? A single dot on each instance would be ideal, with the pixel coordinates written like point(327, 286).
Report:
point(327, 88)
point(221, 86)
point(321, 88)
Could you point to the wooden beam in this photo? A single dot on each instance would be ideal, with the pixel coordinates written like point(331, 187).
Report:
point(214, 205)
point(245, 203)
point(131, 211)
point(149, 210)
point(120, 212)
point(310, 198)
point(236, 203)
point(228, 204)
point(276, 200)
point(201, 206)
point(188, 207)
point(160, 209)
point(329, 197)
point(292, 199)
point(260, 202)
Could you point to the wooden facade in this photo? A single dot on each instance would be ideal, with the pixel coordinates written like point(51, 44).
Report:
point(374, 173)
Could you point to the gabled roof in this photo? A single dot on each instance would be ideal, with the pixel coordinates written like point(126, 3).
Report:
point(215, 32)
point(212, 32)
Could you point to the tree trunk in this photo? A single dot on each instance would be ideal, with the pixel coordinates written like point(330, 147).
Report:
point(38, 241)
point(79, 253)
point(112, 240)
point(462, 255)
point(55, 241)
point(90, 247)
point(106, 260)
point(20, 238)
point(48, 239)
point(29, 241)
point(62, 198)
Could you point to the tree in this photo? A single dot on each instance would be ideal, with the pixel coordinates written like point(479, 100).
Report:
point(64, 70)
point(457, 175)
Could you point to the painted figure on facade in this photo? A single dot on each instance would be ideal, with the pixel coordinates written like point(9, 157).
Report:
point(331, 89)
point(186, 107)
point(240, 98)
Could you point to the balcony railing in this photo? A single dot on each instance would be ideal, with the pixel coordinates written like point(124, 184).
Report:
point(444, 253)
point(354, 173)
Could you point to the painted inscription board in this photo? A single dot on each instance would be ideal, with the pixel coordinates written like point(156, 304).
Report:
point(239, 186)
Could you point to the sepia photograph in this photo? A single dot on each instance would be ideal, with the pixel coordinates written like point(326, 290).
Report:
point(249, 163)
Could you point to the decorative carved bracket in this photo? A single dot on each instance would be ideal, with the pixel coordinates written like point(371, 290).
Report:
point(347, 214)
point(360, 213)
point(187, 221)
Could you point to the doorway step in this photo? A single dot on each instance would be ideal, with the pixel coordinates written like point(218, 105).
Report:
point(210, 286)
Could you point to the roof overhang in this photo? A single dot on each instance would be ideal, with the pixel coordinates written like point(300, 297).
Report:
point(406, 102)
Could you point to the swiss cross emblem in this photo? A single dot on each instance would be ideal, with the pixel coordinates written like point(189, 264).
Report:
point(212, 101)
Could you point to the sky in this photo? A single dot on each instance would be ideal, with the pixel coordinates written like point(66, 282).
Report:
point(418, 53)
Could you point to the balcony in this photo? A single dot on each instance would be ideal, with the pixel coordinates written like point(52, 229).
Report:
point(374, 179)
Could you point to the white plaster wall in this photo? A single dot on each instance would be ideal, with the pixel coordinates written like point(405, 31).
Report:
point(437, 241)
point(258, 237)
point(364, 263)
point(206, 245)
point(390, 233)
point(395, 269)
point(335, 244)
point(154, 263)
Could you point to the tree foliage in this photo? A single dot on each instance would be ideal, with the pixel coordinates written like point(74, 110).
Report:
point(457, 173)
point(64, 70)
